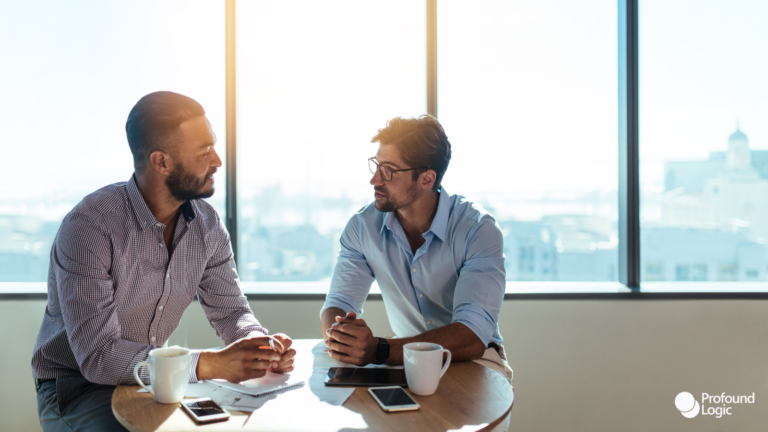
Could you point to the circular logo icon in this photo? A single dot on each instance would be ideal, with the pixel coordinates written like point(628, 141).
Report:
point(687, 404)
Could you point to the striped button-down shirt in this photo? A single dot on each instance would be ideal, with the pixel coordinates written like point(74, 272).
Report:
point(114, 293)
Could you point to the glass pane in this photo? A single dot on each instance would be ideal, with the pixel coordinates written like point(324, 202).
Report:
point(528, 98)
point(78, 67)
point(704, 144)
point(316, 80)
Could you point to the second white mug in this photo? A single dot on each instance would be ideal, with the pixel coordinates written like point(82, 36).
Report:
point(424, 366)
point(168, 373)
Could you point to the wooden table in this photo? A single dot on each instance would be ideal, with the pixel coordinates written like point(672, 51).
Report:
point(471, 397)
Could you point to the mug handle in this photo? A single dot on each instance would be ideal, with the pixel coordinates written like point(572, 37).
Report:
point(138, 380)
point(447, 362)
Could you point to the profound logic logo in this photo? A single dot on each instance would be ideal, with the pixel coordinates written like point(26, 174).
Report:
point(689, 406)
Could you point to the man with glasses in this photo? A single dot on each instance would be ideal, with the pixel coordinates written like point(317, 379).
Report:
point(438, 259)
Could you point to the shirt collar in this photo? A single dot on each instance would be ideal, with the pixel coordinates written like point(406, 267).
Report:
point(439, 223)
point(143, 215)
point(389, 221)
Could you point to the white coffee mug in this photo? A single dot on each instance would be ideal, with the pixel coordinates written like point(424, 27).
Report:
point(168, 373)
point(424, 366)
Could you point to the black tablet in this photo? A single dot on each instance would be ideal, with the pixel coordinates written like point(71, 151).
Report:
point(353, 376)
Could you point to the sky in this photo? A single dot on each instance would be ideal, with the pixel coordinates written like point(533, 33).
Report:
point(702, 69)
point(73, 70)
point(527, 90)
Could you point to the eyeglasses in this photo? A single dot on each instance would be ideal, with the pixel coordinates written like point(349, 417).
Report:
point(386, 172)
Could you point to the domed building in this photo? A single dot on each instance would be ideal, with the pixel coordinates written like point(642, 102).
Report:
point(714, 221)
point(738, 196)
point(739, 157)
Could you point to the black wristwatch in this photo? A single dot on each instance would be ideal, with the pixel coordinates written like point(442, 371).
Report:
point(382, 351)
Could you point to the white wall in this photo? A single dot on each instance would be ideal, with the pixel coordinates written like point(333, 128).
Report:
point(580, 365)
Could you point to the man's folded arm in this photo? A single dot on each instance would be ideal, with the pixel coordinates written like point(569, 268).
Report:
point(352, 277)
point(222, 298)
point(480, 288)
point(82, 258)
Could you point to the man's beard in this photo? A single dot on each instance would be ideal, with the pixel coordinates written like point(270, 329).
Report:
point(184, 186)
point(391, 205)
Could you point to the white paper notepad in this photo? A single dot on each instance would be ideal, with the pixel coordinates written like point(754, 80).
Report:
point(268, 384)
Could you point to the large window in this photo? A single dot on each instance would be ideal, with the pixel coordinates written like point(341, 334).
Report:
point(527, 94)
point(316, 80)
point(704, 143)
point(71, 73)
point(544, 104)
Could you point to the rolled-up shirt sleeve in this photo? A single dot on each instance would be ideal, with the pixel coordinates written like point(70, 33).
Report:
point(352, 277)
point(222, 298)
point(82, 259)
point(480, 288)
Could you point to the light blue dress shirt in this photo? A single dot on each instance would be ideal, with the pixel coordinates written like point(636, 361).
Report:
point(457, 275)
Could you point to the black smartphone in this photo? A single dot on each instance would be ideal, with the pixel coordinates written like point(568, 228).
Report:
point(204, 410)
point(354, 376)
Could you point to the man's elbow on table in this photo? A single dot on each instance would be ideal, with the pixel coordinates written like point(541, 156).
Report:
point(476, 350)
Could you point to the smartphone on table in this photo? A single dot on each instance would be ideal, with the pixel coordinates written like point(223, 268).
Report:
point(393, 399)
point(204, 410)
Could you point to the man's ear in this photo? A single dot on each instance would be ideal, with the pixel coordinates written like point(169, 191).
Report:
point(161, 162)
point(427, 179)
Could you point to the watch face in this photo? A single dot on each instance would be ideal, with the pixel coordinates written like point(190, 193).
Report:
point(382, 351)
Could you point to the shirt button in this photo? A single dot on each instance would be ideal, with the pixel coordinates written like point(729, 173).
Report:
point(168, 276)
point(160, 244)
point(158, 224)
point(152, 338)
point(421, 295)
point(415, 270)
point(428, 322)
point(160, 308)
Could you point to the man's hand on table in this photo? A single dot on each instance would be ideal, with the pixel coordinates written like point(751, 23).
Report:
point(350, 340)
point(283, 347)
point(247, 358)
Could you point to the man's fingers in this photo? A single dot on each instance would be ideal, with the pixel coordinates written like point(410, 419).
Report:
point(357, 322)
point(289, 355)
point(283, 370)
point(344, 349)
point(255, 342)
point(350, 329)
point(260, 364)
point(262, 354)
point(338, 347)
point(343, 338)
point(286, 364)
point(345, 358)
point(351, 316)
point(285, 340)
point(277, 344)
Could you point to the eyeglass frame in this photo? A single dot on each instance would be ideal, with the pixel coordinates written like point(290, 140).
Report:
point(379, 167)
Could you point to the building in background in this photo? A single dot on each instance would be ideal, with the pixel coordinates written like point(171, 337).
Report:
point(714, 219)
